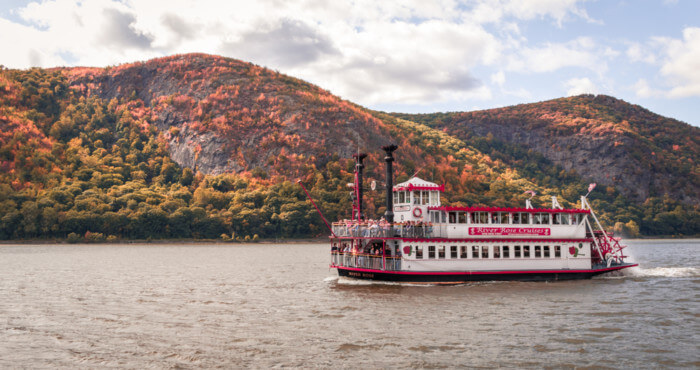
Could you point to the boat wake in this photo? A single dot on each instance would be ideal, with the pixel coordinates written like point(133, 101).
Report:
point(674, 272)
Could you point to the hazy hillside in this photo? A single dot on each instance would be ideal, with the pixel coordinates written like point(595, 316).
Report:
point(199, 146)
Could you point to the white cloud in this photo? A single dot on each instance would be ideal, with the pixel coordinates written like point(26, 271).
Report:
point(637, 52)
point(498, 78)
point(495, 10)
point(643, 90)
point(681, 65)
point(367, 51)
point(578, 86)
point(580, 52)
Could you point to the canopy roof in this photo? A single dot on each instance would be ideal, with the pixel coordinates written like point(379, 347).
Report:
point(416, 183)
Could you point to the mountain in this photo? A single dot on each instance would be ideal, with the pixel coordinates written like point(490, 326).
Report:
point(201, 146)
point(604, 139)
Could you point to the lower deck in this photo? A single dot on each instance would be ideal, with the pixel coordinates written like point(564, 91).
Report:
point(461, 254)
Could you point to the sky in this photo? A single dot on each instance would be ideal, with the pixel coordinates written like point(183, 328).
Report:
point(411, 56)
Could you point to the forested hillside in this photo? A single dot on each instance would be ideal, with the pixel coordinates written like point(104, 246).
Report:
point(200, 146)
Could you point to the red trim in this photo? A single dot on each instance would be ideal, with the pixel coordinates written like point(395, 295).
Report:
point(482, 240)
point(507, 209)
point(491, 240)
point(410, 187)
point(486, 272)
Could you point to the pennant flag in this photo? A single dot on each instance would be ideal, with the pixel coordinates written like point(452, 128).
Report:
point(591, 187)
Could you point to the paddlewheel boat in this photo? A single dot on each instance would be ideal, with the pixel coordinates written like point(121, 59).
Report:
point(421, 241)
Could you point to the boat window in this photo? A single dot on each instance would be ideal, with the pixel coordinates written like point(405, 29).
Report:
point(424, 197)
point(499, 218)
point(484, 251)
point(402, 197)
point(557, 251)
point(506, 251)
point(462, 217)
point(396, 197)
point(538, 251)
point(545, 251)
point(434, 198)
point(526, 251)
point(545, 218)
point(480, 217)
point(521, 218)
point(577, 219)
point(441, 251)
point(453, 251)
point(416, 197)
point(475, 251)
point(431, 251)
point(453, 217)
point(496, 251)
point(463, 251)
point(560, 219)
point(444, 217)
point(516, 251)
point(539, 218)
point(419, 253)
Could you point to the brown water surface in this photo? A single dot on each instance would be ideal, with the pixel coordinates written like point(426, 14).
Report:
point(193, 306)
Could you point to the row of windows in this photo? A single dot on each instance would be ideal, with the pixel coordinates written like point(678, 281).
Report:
point(497, 251)
point(516, 218)
point(419, 197)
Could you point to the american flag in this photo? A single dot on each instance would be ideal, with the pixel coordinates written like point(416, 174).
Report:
point(591, 187)
point(530, 192)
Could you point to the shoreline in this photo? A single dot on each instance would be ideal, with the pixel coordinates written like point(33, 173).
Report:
point(261, 241)
point(167, 241)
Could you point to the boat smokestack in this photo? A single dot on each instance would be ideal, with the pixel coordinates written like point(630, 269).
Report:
point(359, 166)
point(389, 214)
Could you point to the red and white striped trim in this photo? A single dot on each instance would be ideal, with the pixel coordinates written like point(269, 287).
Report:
point(508, 209)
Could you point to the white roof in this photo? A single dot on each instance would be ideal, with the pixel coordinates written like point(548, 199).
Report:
point(416, 181)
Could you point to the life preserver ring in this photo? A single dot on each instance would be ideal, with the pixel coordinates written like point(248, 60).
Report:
point(417, 212)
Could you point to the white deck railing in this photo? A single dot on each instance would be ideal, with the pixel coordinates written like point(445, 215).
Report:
point(366, 261)
point(365, 230)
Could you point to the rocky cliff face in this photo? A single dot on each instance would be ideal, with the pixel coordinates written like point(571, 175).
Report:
point(602, 138)
point(598, 158)
point(223, 115)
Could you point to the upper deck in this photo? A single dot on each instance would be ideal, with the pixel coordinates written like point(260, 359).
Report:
point(476, 223)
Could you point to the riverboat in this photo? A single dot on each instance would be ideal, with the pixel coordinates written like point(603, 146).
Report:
point(419, 240)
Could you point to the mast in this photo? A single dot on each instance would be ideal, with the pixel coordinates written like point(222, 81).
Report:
point(359, 166)
point(389, 214)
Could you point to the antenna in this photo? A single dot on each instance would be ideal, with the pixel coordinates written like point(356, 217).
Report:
point(416, 173)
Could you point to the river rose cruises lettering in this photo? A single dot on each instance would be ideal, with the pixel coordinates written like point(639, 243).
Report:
point(509, 231)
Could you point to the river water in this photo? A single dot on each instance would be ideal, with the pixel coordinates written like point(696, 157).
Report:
point(274, 305)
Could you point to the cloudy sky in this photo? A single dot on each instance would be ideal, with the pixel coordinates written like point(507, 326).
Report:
point(408, 56)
